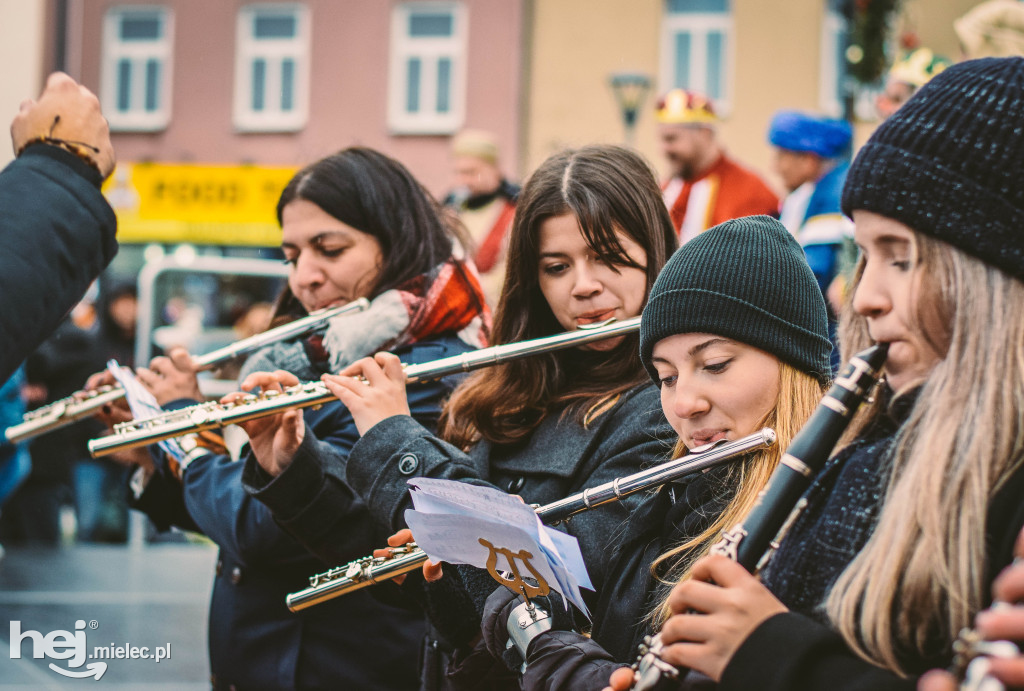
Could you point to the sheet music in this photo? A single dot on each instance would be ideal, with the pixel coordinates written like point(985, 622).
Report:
point(450, 518)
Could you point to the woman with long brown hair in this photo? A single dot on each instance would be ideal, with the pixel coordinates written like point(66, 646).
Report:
point(590, 235)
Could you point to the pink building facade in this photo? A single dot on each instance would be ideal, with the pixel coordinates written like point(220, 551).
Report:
point(282, 84)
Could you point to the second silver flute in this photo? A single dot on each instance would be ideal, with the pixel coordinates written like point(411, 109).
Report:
point(204, 416)
point(369, 570)
point(73, 408)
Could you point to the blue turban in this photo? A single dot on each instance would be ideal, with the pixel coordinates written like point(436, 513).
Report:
point(814, 134)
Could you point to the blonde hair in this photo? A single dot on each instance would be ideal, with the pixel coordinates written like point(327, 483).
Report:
point(962, 440)
point(799, 394)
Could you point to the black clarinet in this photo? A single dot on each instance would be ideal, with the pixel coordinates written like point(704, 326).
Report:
point(753, 541)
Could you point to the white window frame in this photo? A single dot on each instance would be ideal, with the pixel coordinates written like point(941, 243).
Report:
point(833, 26)
point(699, 25)
point(429, 50)
point(273, 51)
point(136, 119)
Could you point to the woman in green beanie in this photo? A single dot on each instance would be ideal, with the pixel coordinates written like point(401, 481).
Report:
point(735, 335)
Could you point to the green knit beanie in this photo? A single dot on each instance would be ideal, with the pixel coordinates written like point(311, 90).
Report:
point(746, 279)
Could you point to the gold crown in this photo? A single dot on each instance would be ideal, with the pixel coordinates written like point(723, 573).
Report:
point(918, 67)
point(681, 107)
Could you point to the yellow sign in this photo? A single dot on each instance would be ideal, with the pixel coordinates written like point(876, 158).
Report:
point(201, 204)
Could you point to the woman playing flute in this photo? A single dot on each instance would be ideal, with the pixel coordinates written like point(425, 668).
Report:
point(735, 336)
point(355, 224)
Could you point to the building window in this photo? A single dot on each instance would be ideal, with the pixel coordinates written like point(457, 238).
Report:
point(272, 68)
point(136, 74)
point(696, 51)
point(427, 80)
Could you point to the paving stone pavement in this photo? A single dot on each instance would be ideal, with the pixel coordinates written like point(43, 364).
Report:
point(152, 597)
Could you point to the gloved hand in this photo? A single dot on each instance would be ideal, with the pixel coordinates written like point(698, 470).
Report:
point(496, 613)
point(494, 626)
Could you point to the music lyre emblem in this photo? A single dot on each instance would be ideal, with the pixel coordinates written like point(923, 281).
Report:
point(515, 583)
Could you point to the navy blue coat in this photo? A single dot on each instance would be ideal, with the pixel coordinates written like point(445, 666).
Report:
point(57, 232)
point(351, 642)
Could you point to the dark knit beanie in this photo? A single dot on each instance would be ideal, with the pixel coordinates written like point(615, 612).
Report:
point(950, 162)
point(748, 280)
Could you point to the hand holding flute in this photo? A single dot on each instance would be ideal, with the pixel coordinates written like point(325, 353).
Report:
point(403, 539)
point(172, 377)
point(168, 378)
point(372, 389)
point(243, 407)
point(274, 439)
point(99, 393)
point(377, 394)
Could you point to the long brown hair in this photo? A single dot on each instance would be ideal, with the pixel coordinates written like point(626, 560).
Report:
point(608, 189)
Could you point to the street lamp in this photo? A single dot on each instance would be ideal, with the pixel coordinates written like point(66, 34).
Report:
point(630, 89)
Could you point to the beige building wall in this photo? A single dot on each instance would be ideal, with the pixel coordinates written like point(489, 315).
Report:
point(777, 53)
point(22, 27)
point(932, 22)
point(578, 44)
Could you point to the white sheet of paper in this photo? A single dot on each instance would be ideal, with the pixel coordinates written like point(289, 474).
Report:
point(142, 403)
point(450, 518)
point(569, 548)
point(457, 541)
point(474, 499)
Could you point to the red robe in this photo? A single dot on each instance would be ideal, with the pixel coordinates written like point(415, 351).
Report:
point(726, 190)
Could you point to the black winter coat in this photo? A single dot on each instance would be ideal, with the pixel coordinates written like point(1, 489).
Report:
point(57, 232)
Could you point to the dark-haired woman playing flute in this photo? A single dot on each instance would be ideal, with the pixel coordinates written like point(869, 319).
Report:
point(355, 224)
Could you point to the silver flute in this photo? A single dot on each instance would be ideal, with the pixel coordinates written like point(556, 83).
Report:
point(369, 570)
point(212, 415)
point(75, 407)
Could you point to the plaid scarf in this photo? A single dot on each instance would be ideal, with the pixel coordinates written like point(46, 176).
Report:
point(445, 300)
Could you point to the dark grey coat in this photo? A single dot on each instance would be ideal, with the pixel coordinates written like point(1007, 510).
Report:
point(560, 458)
